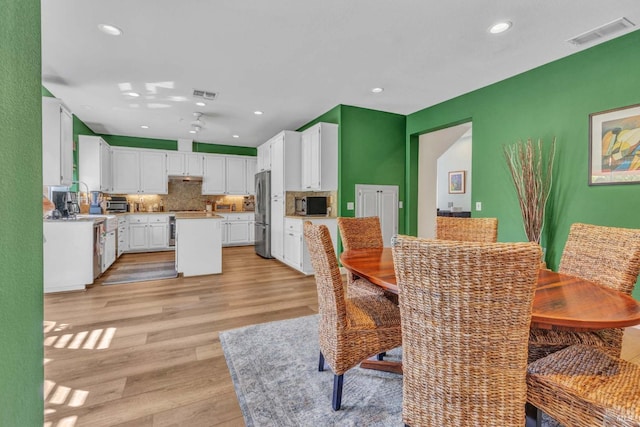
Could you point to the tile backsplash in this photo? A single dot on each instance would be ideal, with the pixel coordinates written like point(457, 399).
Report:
point(182, 195)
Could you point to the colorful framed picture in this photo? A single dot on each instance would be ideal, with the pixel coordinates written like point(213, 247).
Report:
point(456, 182)
point(614, 146)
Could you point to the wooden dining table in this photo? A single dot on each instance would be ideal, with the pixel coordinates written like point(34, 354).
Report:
point(560, 301)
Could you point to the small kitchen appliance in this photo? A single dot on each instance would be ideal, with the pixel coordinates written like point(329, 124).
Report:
point(94, 206)
point(117, 204)
point(311, 205)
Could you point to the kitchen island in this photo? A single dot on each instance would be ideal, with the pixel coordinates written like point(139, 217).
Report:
point(198, 243)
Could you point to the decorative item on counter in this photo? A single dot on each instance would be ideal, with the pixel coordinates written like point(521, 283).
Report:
point(47, 206)
point(209, 207)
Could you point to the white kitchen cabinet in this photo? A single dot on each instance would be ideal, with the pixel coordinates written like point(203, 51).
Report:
point(237, 229)
point(264, 157)
point(380, 201)
point(285, 163)
point(319, 158)
point(109, 254)
point(57, 143)
point(277, 228)
point(225, 175)
point(185, 164)
point(296, 254)
point(139, 171)
point(252, 231)
point(94, 163)
point(251, 175)
point(123, 235)
point(148, 232)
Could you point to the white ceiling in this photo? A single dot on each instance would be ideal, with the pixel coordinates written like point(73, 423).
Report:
point(292, 59)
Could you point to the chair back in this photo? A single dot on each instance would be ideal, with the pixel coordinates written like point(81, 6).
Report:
point(609, 256)
point(360, 233)
point(331, 301)
point(465, 315)
point(467, 229)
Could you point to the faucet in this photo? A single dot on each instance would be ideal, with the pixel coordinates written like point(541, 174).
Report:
point(85, 186)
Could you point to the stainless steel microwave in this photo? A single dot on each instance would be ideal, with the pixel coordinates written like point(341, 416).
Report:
point(311, 205)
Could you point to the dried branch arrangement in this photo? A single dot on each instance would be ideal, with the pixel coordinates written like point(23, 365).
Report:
point(532, 178)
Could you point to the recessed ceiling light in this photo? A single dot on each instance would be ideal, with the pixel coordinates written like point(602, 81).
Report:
point(236, 136)
point(500, 27)
point(144, 127)
point(200, 104)
point(110, 29)
point(258, 113)
point(133, 94)
point(192, 131)
point(377, 89)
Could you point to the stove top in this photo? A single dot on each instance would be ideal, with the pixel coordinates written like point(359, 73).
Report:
point(186, 210)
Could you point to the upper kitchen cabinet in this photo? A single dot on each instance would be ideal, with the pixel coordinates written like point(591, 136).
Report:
point(185, 164)
point(57, 143)
point(251, 174)
point(139, 171)
point(320, 157)
point(94, 162)
point(226, 175)
point(285, 162)
point(264, 157)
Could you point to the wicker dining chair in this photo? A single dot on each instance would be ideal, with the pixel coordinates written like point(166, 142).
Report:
point(609, 256)
point(467, 229)
point(466, 310)
point(350, 329)
point(581, 386)
point(360, 233)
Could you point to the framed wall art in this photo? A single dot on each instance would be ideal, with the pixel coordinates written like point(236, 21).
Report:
point(456, 182)
point(614, 146)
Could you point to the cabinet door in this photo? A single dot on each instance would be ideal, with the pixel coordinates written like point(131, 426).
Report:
point(277, 166)
point(236, 175)
point(277, 228)
point(109, 255)
point(57, 143)
point(105, 167)
point(158, 235)
point(126, 171)
point(175, 163)
point(194, 164)
point(264, 157)
point(311, 159)
point(66, 146)
point(138, 236)
point(238, 232)
point(153, 172)
point(293, 249)
point(251, 175)
point(367, 203)
point(214, 175)
point(225, 232)
point(252, 231)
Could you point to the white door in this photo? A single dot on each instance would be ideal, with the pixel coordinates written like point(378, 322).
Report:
point(126, 171)
point(238, 233)
point(105, 167)
point(138, 236)
point(277, 229)
point(175, 163)
point(380, 201)
point(158, 235)
point(251, 175)
point(153, 172)
point(277, 166)
point(236, 176)
point(213, 181)
point(193, 164)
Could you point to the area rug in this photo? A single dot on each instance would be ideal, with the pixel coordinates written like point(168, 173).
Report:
point(141, 272)
point(274, 367)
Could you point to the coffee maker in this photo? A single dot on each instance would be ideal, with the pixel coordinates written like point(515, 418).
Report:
point(94, 205)
point(66, 203)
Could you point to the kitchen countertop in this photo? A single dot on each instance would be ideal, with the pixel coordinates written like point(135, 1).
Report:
point(310, 216)
point(197, 215)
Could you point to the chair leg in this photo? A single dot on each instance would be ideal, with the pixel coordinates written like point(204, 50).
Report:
point(337, 391)
point(538, 417)
point(321, 363)
point(382, 355)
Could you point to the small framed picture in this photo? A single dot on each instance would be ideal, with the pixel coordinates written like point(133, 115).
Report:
point(456, 182)
point(614, 146)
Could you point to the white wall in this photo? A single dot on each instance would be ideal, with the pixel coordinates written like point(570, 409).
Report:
point(456, 158)
point(431, 146)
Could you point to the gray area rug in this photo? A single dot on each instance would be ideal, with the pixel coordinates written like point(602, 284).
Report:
point(141, 272)
point(274, 367)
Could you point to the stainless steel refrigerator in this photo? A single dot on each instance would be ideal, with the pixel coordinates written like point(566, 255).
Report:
point(263, 214)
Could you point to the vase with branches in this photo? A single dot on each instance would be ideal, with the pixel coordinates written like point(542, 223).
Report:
point(532, 177)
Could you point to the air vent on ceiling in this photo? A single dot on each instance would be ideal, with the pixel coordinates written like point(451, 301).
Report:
point(204, 94)
point(602, 31)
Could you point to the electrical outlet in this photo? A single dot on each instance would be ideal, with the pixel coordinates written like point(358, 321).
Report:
point(350, 206)
point(478, 206)
point(400, 204)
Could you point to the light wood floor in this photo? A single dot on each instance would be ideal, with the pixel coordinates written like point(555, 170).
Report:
point(147, 354)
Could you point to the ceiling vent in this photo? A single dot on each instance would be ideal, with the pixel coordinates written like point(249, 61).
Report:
point(605, 30)
point(197, 93)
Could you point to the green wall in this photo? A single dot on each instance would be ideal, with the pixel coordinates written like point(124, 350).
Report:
point(371, 151)
point(167, 144)
point(21, 348)
point(552, 100)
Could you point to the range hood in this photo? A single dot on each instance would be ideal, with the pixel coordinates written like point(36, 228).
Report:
point(185, 178)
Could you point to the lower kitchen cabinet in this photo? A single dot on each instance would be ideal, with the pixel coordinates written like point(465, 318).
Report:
point(109, 254)
point(69, 255)
point(238, 229)
point(148, 232)
point(296, 254)
point(123, 235)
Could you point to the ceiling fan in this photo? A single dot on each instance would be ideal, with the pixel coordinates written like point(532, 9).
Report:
point(197, 124)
